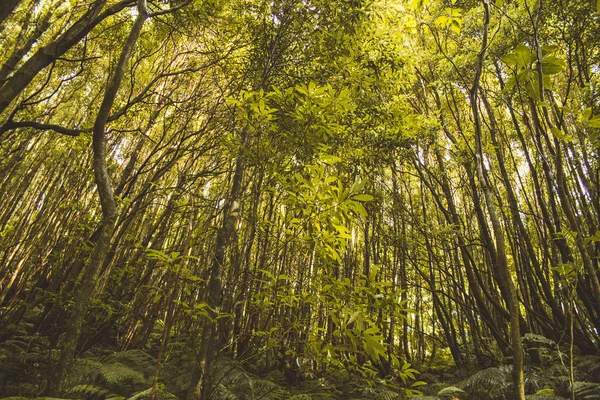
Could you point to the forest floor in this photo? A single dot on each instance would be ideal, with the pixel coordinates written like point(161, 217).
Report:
point(103, 374)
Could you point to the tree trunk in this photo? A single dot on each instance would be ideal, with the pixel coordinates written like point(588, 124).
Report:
point(501, 259)
point(84, 292)
point(200, 387)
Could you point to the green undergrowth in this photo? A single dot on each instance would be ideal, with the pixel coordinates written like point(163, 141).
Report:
point(103, 374)
point(129, 375)
point(543, 382)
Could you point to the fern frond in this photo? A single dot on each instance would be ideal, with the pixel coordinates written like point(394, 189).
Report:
point(450, 391)
point(117, 373)
point(587, 391)
point(90, 392)
point(159, 394)
point(494, 378)
point(138, 360)
point(234, 378)
point(85, 370)
point(532, 340)
point(588, 365)
point(378, 394)
point(265, 389)
point(221, 392)
point(178, 383)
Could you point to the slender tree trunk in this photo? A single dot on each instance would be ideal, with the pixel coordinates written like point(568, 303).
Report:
point(501, 259)
point(85, 289)
point(200, 387)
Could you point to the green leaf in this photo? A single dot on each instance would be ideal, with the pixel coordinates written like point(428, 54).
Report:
point(594, 122)
point(450, 391)
point(353, 317)
point(455, 26)
point(523, 55)
point(545, 392)
point(510, 59)
point(561, 135)
point(552, 65)
point(357, 186)
point(360, 209)
point(371, 331)
point(343, 232)
point(363, 197)
point(533, 90)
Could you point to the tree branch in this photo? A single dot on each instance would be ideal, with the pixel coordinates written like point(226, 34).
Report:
point(42, 127)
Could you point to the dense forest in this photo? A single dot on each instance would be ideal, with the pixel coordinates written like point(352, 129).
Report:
point(300, 199)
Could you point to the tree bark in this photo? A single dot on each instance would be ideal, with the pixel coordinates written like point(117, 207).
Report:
point(500, 247)
point(200, 387)
point(85, 290)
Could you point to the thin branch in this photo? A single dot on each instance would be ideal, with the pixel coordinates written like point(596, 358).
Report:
point(169, 10)
point(42, 127)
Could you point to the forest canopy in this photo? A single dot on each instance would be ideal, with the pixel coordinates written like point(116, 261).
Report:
point(307, 199)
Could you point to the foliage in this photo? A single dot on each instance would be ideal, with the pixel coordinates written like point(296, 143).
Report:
point(490, 383)
point(336, 193)
point(23, 360)
point(159, 394)
point(450, 391)
point(587, 390)
point(123, 373)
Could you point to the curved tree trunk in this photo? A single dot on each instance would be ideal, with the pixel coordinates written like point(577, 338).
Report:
point(87, 284)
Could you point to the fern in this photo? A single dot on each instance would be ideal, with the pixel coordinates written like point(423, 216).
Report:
point(177, 368)
point(490, 383)
point(536, 381)
point(159, 394)
point(378, 394)
point(23, 361)
point(234, 378)
point(223, 393)
point(535, 341)
point(136, 359)
point(117, 374)
point(494, 377)
point(178, 383)
point(85, 370)
point(450, 391)
point(588, 367)
point(242, 384)
point(587, 391)
point(110, 374)
point(264, 389)
point(91, 392)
